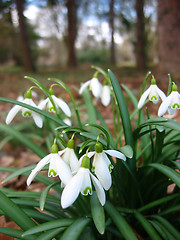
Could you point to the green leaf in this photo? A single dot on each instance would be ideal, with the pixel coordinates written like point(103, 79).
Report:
point(104, 131)
point(75, 230)
point(123, 110)
point(14, 233)
point(97, 212)
point(131, 95)
point(159, 230)
point(44, 195)
point(127, 151)
point(170, 228)
point(158, 202)
point(60, 223)
point(147, 226)
point(169, 172)
point(170, 84)
point(23, 139)
point(15, 213)
point(48, 235)
point(120, 222)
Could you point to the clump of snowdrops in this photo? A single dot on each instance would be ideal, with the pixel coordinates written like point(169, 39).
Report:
point(100, 184)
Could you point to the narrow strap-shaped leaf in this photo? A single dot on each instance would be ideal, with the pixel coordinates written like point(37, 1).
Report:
point(14, 233)
point(49, 225)
point(123, 110)
point(159, 229)
point(170, 84)
point(158, 202)
point(15, 213)
point(120, 222)
point(97, 212)
point(147, 226)
point(23, 139)
point(75, 230)
point(48, 235)
point(169, 172)
point(44, 195)
point(168, 226)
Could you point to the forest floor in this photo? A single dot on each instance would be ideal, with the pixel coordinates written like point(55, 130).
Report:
point(13, 84)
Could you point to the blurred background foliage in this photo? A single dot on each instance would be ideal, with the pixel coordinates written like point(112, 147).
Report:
point(68, 33)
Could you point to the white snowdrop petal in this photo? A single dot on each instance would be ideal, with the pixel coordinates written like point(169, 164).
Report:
point(116, 154)
point(175, 99)
point(61, 104)
point(96, 87)
point(72, 190)
point(84, 86)
point(37, 119)
point(62, 151)
point(86, 187)
point(164, 105)
point(99, 189)
point(12, 113)
point(105, 95)
point(143, 97)
point(63, 170)
point(160, 93)
point(73, 162)
point(171, 111)
point(89, 154)
point(52, 166)
point(38, 167)
point(102, 172)
point(43, 103)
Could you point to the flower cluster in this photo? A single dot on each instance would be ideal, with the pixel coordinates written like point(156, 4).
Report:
point(46, 104)
point(99, 91)
point(170, 103)
point(75, 175)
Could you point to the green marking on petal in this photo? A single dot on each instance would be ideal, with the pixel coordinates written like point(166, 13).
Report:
point(176, 105)
point(87, 190)
point(51, 109)
point(110, 167)
point(153, 98)
point(27, 114)
point(52, 172)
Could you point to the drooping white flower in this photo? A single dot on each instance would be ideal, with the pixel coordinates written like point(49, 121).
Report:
point(102, 165)
point(170, 103)
point(94, 85)
point(59, 103)
point(69, 156)
point(106, 95)
point(81, 182)
point(25, 112)
point(67, 121)
point(154, 94)
point(57, 167)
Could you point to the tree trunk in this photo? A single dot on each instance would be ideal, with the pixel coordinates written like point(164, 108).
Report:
point(169, 37)
point(111, 23)
point(28, 64)
point(140, 31)
point(71, 7)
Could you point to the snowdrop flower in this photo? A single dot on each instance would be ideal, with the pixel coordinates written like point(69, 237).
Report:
point(25, 112)
point(153, 92)
point(70, 157)
point(67, 121)
point(106, 95)
point(171, 103)
point(56, 167)
point(81, 182)
point(59, 103)
point(94, 85)
point(102, 165)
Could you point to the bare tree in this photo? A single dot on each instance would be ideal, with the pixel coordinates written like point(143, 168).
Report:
point(169, 36)
point(28, 63)
point(111, 23)
point(140, 39)
point(72, 32)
